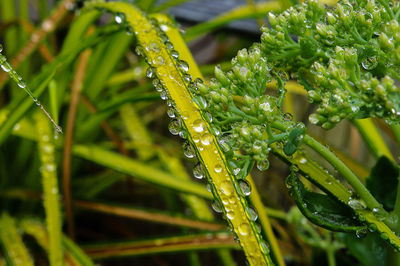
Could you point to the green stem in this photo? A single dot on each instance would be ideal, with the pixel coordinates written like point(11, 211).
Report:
point(347, 174)
point(330, 250)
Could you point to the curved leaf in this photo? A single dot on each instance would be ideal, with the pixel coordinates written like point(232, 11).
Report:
point(322, 210)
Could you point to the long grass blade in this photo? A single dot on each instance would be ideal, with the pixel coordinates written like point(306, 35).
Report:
point(11, 241)
point(50, 189)
point(222, 181)
point(163, 245)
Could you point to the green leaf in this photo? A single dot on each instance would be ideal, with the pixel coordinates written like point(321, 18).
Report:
point(294, 140)
point(322, 210)
point(370, 250)
point(382, 182)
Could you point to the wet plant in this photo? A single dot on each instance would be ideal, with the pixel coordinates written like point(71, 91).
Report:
point(344, 57)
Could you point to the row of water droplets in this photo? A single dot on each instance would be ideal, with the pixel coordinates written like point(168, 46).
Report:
point(6, 67)
point(202, 137)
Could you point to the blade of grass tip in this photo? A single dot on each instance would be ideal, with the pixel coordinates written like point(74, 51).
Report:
point(242, 12)
point(50, 189)
point(180, 46)
point(151, 216)
point(6, 66)
point(14, 249)
point(18, 107)
point(223, 183)
point(47, 26)
point(69, 135)
point(162, 245)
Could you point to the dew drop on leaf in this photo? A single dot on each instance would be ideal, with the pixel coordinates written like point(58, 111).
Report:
point(244, 229)
point(174, 127)
point(252, 214)
point(188, 150)
point(357, 204)
point(198, 125)
point(218, 168)
point(206, 139)
point(198, 171)
point(216, 206)
point(369, 63)
point(244, 187)
point(263, 165)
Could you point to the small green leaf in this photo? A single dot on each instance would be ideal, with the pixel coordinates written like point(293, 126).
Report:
point(322, 210)
point(382, 182)
point(294, 140)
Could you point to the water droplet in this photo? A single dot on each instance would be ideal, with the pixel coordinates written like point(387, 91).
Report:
point(119, 18)
point(361, 233)
point(216, 206)
point(264, 247)
point(164, 95)
point(303, 160)
point(50, 167)
point(252, 214)
point(227, 188)
point(287, 116)
point(198, 171)
point(206, 139)
point(244, 188)
point(369, 63)
point(139, 50)
point(313, 119)
point(183, 66)
point(357, 204)
point(174, 127)
point(208, 187)
point(1, 48)
point(150, 72)
point(188, 150)
point(187, 77)
point(21, 84)
point(198, 125)
point(244, 229)
point(6, 66)
point(263, 165)
point(218, 168)
point(230, 215)
point(175, 54)
point(379, 213)
point(164, 27)
point(171, 112)
point(169, 45)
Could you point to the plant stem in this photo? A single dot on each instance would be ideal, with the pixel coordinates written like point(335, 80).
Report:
point(347, 174)
point(330, 250)
point(350, 177)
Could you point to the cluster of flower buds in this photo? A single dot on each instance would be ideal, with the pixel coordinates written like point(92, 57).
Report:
point(242, 114)
point(347, 57)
